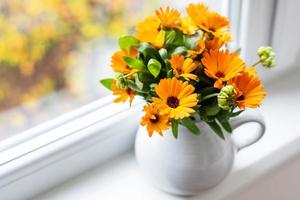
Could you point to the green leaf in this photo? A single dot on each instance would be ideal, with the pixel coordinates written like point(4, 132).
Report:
point(145, 77)
point(211, 110)
point(131, 84)
point(224, 114)
point(107, 83)
point(170, 73)
point(170, 37)
point(138, 83)
point(175, 128)
point(226, 125)
point(179, 50)
point(190, 42)
point(154, 67)
point(134, 63)
point(147, 52)
point(189, 124)
point(163, 54)
point(128, 41)
point(173, 39)
point(234, 114)
point(216, 128)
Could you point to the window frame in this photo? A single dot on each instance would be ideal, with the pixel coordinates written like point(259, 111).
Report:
point(44, 152)
point(47, 153)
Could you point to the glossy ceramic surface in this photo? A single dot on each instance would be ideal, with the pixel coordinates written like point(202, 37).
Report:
point(191, 163)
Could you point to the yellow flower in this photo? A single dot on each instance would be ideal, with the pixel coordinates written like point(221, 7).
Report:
point(175, 98)
point(222, 66)
point(117, 62)
point(124, 93)
point(187, 25)
point(249, 90)
point(183, 67)
point(154, 121)
point(251, 71)
point(149, 30)
point(169, 17)
point(223, 35)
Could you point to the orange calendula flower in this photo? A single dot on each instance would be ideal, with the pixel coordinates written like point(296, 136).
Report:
point(117, 62)
point(199, 49)
point(222, 66)
point(183, 67)
point(208, 21)
point(198, 12)
point(187, 25)
point(214, 23)
point(123, 93)
point(175, 98)
point(149, 30)
point(214, 44)
point(154, 120)
point(169, 17)
point(249, 90)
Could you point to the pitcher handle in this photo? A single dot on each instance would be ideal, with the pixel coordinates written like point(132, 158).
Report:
point(246, 117)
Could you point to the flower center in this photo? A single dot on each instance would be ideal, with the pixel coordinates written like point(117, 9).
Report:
point(173, 102)
point(240, 98)
point(220, 75)
point(155, 120)
point(179, 71)
point(129, 91)
point(212, 29)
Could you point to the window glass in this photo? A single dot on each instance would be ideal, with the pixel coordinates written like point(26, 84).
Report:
point(53, 52)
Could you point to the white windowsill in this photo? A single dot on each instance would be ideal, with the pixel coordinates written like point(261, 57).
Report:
point(254, 167)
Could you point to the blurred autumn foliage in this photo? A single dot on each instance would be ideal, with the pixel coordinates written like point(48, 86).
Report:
point(36, 38)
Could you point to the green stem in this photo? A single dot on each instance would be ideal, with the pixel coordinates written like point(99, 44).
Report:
point(131, 73)
point(210, 96)
point(256, 63)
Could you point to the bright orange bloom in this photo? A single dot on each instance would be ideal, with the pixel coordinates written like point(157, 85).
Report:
point(168, 17)
point(149, 30)
point(222, 66)
point(124, 93)
point(183, 67)
point(211, 22)
point(154, 121)
point(117, 62)
point(249, 90)
point(175, 98)
point(198, 12)
point(214, 23)
point(199, 49)
point(214, 44)
point(187, 25)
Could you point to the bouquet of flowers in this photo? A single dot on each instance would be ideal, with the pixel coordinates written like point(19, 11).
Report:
point(183, 69)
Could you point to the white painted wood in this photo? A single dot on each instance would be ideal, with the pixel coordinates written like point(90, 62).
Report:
point(68, 150)
point(285, 39)
point(256, 27)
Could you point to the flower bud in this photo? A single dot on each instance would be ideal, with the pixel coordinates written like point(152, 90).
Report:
point(225, 97)
point(266, 56)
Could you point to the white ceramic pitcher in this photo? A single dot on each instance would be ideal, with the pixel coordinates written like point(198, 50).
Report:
point(191, 163)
